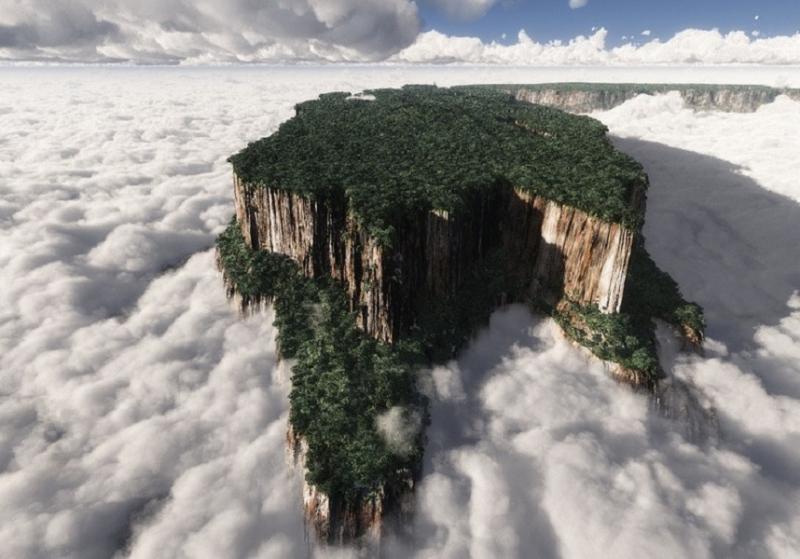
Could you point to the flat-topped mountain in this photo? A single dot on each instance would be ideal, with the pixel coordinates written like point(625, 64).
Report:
point(386, 227)
point(395, 153)
point(588, 97)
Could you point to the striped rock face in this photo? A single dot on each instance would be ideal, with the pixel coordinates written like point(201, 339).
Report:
point(602, 98)
point(555, 251)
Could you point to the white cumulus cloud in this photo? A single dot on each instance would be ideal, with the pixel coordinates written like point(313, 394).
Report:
point(206, 31)
point(690, 46)
point(433, 46)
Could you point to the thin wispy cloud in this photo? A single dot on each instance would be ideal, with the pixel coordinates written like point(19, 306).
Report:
point(464, 10)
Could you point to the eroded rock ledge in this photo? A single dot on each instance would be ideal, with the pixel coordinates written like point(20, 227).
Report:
point(586, 98)
point(339, 521)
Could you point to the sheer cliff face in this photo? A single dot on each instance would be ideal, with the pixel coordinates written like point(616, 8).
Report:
point(553, 250)
point(577, 101)
point(323, 239)
point(334, 521)
point(578, 256)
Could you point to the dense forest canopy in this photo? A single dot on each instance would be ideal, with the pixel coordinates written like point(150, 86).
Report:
point(343, 381)
point(394, 152)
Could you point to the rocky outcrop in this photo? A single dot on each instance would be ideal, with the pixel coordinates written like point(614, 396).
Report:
point(323, 239)
point(554, 250)
point(598, 98)
point(574, 101)
point(578, 256)
point(735, 101)
point(335, 521)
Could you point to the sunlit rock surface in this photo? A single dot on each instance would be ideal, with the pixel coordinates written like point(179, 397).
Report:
point(555, 249)
point(586, 98)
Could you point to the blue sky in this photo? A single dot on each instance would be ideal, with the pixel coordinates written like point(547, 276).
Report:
point(234, 31)
point(545, 20)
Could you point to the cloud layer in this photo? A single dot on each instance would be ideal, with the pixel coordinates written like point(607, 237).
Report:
point(464, 9)
point(233, 31)
point(142, 417)
point(691, 46)
point(154, 31)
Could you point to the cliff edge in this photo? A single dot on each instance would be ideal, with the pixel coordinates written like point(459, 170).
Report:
point(385, 228)
point(588, 97)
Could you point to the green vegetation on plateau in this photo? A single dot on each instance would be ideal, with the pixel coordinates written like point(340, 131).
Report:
point(342, 379)
point(409, 151)
point(417, 148)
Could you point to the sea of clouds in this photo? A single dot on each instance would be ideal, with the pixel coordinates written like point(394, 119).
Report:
point(689, 46)
point(139, 416)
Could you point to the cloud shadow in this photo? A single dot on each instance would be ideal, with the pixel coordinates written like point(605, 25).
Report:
point(459, 421)
point(731, 245)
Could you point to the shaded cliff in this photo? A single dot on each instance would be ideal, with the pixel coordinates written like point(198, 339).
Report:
point(343, 383)
point(554, 251)
point(386, 232)
point(588, 97)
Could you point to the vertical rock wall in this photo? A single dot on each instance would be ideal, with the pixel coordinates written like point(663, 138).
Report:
point(740, 100)
point(553, 249)
point(334, 522)
point(581, 257)
point(454, 243)
point(322, 239)
point(574, 101)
